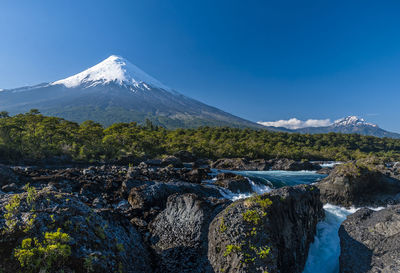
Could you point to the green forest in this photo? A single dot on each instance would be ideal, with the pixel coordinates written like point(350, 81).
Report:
point(33, 136)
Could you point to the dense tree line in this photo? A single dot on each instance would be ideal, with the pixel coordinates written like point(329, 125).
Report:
point(32, 136)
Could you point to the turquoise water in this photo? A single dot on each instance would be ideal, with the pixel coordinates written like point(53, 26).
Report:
point(324, 252)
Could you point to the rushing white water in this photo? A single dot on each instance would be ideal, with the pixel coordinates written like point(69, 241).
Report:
point(257, 188)
point(323, 256)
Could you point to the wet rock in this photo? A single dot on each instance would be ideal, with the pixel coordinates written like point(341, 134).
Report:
point(267, 233)
point(196, 175)
point(233, 182)
point(325, 170)
point(352, 184)
point(179, 233)
point(370, 241)
point(292, 165)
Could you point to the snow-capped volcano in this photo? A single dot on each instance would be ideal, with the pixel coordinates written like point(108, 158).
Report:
point(113, 69)
point(116, 90)
point(350, 125)
point(352, 121)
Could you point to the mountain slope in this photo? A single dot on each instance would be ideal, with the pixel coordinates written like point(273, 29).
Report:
point(117, 91)
point(350, 125)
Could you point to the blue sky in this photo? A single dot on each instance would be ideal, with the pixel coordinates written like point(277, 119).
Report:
point(261, 60)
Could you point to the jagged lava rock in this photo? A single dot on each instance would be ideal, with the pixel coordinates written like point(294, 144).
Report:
point(352, 184)
point(370, 241)
point(179, 233)
point(234, 182)
point(266, 233)
point(99, 239)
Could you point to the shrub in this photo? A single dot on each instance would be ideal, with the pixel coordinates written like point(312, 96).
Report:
point(35, 256)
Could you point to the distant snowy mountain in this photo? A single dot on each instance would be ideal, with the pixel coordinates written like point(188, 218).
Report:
point(350, 125)
point(116, 70)
point(352, 121)
point(115, 90)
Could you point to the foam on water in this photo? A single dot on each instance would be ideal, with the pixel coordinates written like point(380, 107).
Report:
point(323, 256)
point(257, 188)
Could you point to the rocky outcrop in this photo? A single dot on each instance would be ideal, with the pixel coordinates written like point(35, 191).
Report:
point(234, 182)
point(7, 176)
point(155, 194)
point(263, 165)
point(149, 218)
point(168, 174)
point(370, 241)
point(186, 156)
point(292, 165)
point(179, 233)
point(51, 231)
point(359, 185)
point(267, 233)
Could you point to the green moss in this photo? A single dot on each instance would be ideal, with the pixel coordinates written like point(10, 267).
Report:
point(12, 209)
point(263, 252)
point(222, 226)
point(35, 256)
point(252, 216)
point(30, 223)
point(31, 197)
point(232, 249)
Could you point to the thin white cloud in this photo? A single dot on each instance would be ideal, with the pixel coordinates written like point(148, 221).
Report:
point(295, 123)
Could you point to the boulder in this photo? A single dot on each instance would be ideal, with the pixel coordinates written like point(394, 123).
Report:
point(185, 156)
point(292, 165)
point(234, 182)
point(179, 233)
point(74, 237)
point(354, 184)
point(240, 164)
point(172, 161)
point(196, 175)
point(155, 194)
point(370, 241)
point(266, 233)
point(8, 176)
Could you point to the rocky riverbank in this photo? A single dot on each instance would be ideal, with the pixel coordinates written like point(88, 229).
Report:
point(154, 217)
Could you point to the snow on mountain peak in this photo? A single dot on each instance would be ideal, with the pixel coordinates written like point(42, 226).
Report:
point(352, 121)
point(113, 69)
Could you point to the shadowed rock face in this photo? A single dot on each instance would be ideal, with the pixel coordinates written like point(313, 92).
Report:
point(269, 233)
point(370, 241)
point(234, 182)
point(350, 184)
point(179, 233)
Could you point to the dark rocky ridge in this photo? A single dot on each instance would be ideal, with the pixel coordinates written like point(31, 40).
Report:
point(370, 241)
point(355, 183)
point(160, 216)
point(271, 233)
point(263, 164)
